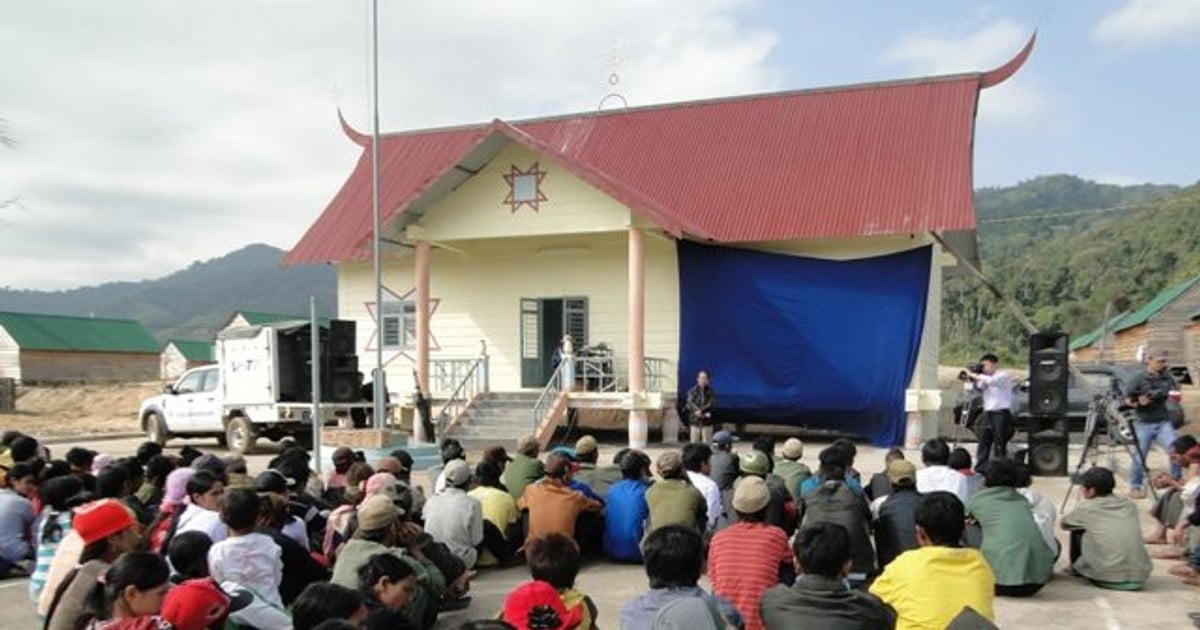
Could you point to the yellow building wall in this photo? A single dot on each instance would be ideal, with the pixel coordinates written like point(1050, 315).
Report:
point(490, 258)
point(478, 295)
point(476, 210)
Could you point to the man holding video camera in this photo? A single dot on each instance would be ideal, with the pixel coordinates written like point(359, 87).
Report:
point(1148, 395)
point(997, 425)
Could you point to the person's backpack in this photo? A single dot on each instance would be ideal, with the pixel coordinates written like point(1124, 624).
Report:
point(162, 530)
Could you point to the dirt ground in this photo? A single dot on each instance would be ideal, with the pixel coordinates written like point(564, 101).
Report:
point(79, 409)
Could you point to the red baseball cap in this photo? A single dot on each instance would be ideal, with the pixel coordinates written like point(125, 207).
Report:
point(195, 605)
point(536, 604)
point(98, 520)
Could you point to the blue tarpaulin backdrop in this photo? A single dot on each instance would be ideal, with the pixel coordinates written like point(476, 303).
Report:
point(804, 341)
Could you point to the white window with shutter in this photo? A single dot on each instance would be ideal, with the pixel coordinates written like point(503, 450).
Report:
point(399, 330)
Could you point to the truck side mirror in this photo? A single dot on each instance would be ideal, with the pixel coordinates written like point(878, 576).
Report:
point(169, 389)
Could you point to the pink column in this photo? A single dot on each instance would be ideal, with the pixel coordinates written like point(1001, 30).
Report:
point(421, 271)
point(638, 430)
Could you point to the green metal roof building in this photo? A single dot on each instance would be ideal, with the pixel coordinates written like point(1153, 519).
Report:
point(259, 318)
point(45, 348)
point(1158, 324)
point(181, 355)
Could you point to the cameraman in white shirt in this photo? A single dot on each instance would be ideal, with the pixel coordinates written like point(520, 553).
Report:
point(997, 425)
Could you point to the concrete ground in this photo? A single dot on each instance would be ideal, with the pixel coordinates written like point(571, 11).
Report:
point(1065, 603)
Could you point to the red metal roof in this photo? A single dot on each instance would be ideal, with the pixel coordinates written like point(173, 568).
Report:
point(882, 158)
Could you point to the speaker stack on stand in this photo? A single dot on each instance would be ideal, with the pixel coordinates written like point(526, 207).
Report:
point(337, 358)
point(1049, 378)
point(339, 374)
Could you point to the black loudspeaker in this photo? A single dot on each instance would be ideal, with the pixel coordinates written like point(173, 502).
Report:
point(342, 342)
point(339, 381)
point(1047, 453)
point(292, 353)
point(1048, 374)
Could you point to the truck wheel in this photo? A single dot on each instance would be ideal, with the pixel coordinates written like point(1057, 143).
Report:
point(156, 428)
point(239, 435)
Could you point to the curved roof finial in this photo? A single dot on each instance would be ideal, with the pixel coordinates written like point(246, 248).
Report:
point(355, 136)
point(1001, 74)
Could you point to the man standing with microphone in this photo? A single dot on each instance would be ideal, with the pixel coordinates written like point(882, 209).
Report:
point(997, 425)
point(700, 402)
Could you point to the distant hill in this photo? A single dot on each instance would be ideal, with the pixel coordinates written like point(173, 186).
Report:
point(1062, 247)
point(194, 302)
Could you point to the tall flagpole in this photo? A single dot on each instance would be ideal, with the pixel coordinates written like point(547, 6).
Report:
point(378, 381)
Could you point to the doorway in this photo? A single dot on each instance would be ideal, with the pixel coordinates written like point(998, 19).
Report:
point(544, 321)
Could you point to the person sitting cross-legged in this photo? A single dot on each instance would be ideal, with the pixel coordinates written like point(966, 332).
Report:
point(525, 467)
point(791, 469)
point(598, 478)
point(625, 509)
point(931, 585)
point(501, 519)
point(674, 559)
point(895, 518)
point(834, 502)
point(1106, 545)
point(554, 559)
point(453, 517)
point(553, 506)
point(673, 500)
point(820, 598)
point(380, 531)
point(246, 556)
point(697, 460)
point(1012, 542)
point(749, 556)
point(937, 473)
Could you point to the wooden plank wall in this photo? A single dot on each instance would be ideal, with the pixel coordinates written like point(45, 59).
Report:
point(39, 366)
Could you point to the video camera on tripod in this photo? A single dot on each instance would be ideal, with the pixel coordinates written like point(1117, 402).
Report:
point(1118, 427)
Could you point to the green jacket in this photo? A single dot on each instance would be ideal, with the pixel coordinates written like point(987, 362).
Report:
point(423, 603)
point(598, 478)
point(793, 474)
point(521, 472)
point(1012, 542)
point(1111, 549)
point(676, 502)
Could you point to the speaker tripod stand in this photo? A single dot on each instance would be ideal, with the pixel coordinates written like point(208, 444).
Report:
point(1106, 405)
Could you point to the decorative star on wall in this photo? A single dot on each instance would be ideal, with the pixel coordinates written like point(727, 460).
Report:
point(397, 353)
point(525, 187)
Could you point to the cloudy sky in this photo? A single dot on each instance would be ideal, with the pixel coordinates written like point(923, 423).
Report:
point(152, 134)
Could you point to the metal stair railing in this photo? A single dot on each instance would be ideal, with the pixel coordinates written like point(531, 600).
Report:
point(549, 394)
point(469, 386)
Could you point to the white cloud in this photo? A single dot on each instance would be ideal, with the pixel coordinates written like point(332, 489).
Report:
point(1140, 22)
point(1017, 101)
point(153, 134)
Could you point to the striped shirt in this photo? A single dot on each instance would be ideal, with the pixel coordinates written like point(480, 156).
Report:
point(744, 561)
point(46, 548)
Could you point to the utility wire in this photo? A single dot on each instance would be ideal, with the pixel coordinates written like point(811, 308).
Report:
point(1059, 215)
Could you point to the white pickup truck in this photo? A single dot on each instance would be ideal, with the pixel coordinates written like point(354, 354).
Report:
point(258, 388)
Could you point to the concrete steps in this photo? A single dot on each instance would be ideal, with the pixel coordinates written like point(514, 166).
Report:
point(496, 418)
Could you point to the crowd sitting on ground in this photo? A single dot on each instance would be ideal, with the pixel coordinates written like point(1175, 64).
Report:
point(193, 542)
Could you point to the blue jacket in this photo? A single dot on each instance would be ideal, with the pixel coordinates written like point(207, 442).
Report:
point(625, 515)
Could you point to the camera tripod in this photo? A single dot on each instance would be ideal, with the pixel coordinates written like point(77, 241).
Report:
point(1108, 405)
point(971, 406)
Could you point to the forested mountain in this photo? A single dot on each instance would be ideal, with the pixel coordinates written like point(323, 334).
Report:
point(192, 303)
point(1062, 247)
